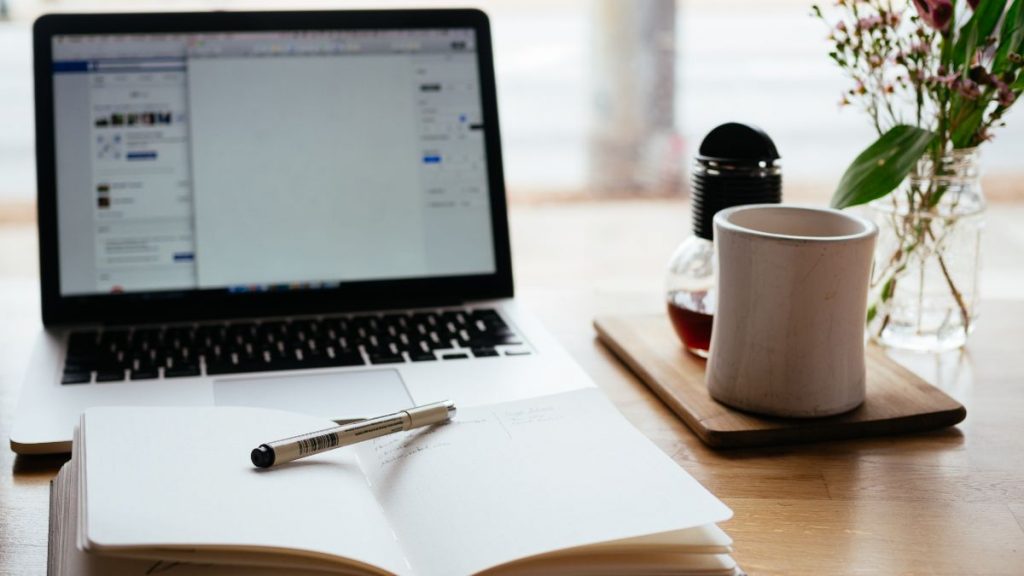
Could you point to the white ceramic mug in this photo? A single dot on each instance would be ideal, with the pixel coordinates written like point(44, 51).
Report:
point(788, 333)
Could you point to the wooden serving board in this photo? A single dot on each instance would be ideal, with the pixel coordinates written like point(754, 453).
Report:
point(898, 401)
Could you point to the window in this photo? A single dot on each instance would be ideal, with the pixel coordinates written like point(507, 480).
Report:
point(570, 125)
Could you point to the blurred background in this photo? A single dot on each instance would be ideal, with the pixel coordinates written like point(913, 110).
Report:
point(597, 98)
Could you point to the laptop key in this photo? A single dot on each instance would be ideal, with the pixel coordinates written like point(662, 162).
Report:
point(144, 374)
point(454, 356)
point(422, 357)
point(110, 376)
point(386, 359)
point(346, 359)
point(76, 377)
point(484, 352)
point(215, 368)
point(181, 371)
point(85, 365)
point(266, 362)
point(490, 318)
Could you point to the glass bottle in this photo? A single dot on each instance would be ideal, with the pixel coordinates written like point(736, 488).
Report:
point(691, 293)
point(736, 165)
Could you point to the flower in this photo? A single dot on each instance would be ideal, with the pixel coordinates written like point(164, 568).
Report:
point(869, 22)
point(906, 60)
point(968, 89)
point(947, 80)
point(920, 48)
point(1007, 98)
point(935, 13)
point(1005, 95)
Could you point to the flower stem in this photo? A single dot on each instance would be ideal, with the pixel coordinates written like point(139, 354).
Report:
point(965, 316)
point(916, 230)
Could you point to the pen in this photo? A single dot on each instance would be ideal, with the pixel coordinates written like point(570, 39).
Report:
point(281, 451)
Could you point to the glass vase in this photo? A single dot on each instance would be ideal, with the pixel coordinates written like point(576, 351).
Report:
point(924, 284)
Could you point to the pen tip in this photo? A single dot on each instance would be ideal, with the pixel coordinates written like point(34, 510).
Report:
point(262, 457)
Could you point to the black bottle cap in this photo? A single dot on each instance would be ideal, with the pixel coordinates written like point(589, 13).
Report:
point(737, 164)
point(737, 142)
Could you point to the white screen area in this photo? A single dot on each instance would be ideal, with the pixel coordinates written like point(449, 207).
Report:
point(271, 160)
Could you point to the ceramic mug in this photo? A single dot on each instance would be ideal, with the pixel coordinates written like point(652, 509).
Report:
point(788, 333)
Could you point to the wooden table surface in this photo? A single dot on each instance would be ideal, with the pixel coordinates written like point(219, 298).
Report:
point(947, 502)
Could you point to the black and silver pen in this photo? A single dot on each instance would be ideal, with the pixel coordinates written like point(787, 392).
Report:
point(281, 451)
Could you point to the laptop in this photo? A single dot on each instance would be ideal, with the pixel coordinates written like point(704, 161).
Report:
point(294, 210)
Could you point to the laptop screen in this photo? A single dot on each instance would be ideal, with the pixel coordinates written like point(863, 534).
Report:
point(264, 161)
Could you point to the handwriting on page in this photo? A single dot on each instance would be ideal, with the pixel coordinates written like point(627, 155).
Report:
point(394, 449)
point(533, 415)
point(391, 449)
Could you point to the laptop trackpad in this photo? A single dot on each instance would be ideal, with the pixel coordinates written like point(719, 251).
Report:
point(337, 396)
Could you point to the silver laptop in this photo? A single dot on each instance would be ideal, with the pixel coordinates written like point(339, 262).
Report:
point(301, 210)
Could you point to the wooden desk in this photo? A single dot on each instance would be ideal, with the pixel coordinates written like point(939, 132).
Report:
point(949, 502)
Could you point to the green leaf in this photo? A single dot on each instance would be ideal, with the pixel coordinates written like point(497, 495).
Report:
point(965, 46)
point(966, 129)
point(978, 27)
point(880, 169)
point(1011, 35)
point(1019, 84)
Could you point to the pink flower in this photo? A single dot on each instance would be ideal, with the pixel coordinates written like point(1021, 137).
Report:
point(947, 80)
point(968, 89)
point(1006, 96)
point(869, 23)
point(935, 13)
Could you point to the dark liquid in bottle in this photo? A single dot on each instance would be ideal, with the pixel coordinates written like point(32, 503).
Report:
point(693, 328)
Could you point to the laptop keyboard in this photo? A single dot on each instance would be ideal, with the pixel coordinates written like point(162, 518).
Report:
point(176, 351)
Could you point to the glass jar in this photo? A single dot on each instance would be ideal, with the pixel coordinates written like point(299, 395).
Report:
point(924, 284)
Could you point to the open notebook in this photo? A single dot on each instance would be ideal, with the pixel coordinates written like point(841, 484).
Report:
point(559, 483)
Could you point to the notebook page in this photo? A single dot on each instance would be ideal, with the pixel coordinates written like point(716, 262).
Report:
point(181, 477)
point(513, 480)
point(707, 539)
point(66, 559)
